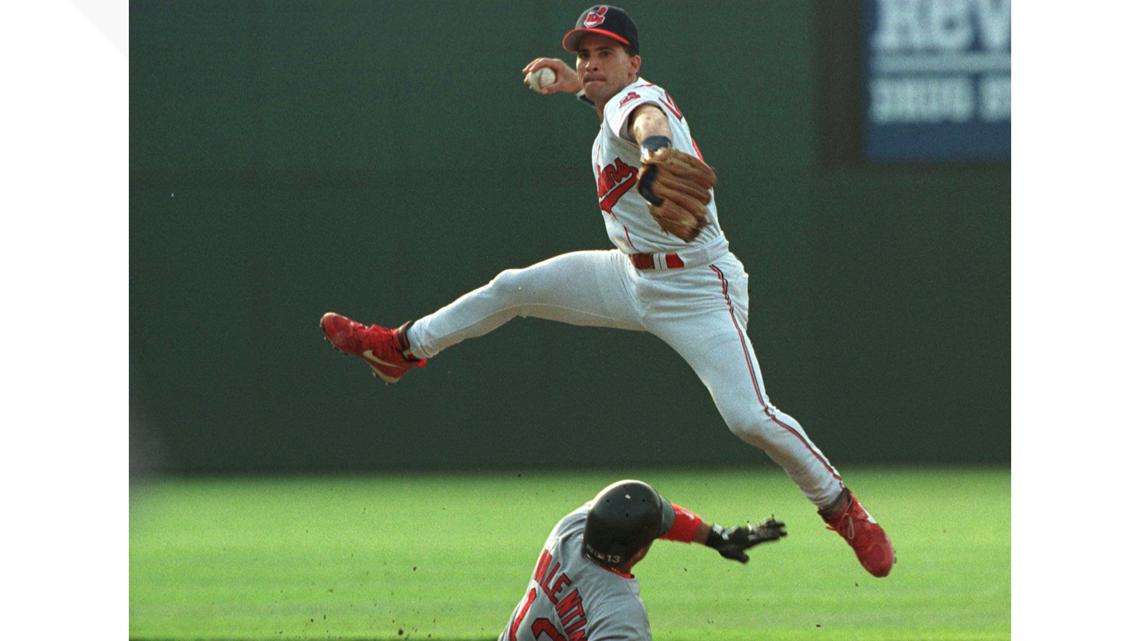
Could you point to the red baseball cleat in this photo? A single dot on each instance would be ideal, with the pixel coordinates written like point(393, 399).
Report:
point(382, 348)
point(863, 534)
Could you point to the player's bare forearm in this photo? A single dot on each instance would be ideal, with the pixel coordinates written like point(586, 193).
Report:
point(702, 534)
point(565, 80)
point(647, 121)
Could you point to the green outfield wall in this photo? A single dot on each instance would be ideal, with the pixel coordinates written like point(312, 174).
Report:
point(382, 158)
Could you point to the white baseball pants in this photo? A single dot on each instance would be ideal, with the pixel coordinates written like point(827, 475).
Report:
point(701, 311)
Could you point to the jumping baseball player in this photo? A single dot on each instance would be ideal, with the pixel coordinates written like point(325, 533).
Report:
point(582, 586)
point(671, 273)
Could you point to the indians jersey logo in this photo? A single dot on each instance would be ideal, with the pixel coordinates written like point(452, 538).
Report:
point(596, 17)
point(613, 182)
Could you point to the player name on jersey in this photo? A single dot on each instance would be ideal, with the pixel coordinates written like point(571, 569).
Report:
point(554, 583)
point(569, 605)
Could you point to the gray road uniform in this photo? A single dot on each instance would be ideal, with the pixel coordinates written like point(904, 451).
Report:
point(569, 597)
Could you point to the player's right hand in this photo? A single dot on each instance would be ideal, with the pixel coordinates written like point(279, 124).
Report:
point(732, 542)
point(565, 80)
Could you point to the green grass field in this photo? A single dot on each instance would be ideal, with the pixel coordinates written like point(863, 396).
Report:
point(447, 557)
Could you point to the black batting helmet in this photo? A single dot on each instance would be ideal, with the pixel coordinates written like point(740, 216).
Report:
point(624, 517)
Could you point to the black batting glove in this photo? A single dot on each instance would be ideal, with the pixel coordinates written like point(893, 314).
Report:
point(732, 542)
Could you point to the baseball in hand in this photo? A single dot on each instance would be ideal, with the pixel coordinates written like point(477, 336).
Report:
point(536, 80)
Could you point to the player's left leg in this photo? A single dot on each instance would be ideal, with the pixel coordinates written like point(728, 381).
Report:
point(711, 336)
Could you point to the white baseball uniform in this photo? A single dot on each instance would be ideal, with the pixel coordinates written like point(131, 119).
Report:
point(571, 598)
point(693, 295)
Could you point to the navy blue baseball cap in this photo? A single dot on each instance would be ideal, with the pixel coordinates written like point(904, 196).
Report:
point(604, 20)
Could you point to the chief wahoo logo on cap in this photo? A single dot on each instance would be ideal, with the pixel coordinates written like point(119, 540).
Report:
point(596, 17)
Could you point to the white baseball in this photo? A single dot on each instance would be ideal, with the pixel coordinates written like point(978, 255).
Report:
point(536, 80)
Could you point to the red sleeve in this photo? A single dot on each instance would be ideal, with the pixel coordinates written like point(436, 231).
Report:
point(685, 525)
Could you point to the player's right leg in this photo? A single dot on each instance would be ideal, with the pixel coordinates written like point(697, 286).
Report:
point(581, 288)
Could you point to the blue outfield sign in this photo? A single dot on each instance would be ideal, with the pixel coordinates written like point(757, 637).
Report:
point(937, 80)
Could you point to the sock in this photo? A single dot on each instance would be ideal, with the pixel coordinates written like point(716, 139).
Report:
point(836, 506)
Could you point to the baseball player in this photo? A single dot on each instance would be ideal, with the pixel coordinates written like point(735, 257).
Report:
point(582, 586)
point(671, 272)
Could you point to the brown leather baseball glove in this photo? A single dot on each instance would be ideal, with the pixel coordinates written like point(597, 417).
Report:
point(677, 187)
